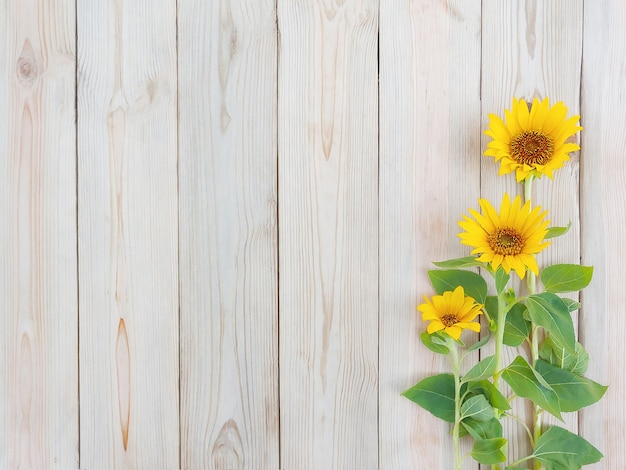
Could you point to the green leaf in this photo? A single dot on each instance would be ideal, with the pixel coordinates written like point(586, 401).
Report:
point(488, 451)
point(483, 429)
point(477, 408)
point(436, 348)
point(566, 277)
point(572, 305)
point(549, 311)
point(557, 231)
point(449, 279)
point(558, 449)
point(527, 383)
point(516, 328)
point(557, 355)
point(574, 392)
point(483, 370)
point(465, 262)
point(493, 395)
point(501, 280)
point(479, 344)
point(435, 394)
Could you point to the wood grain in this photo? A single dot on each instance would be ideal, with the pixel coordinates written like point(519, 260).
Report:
point(533, 49)
point(327, 147)
point(603, 213)
point(127, 234)
point(228, 234)
point(429, 174)
point(38, 281)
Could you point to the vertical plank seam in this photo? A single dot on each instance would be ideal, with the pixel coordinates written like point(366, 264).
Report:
point(580, 179)
point(180, 420)
point(76, 162)
point(277, 134)
point(378, 234)
point(480, 117)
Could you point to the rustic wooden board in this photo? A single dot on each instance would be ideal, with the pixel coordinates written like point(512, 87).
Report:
point(603, 212)
point(228, 234)
point(533, 49)
point(38, 274)
point(328, 162)
point(429, 175)
point(127, 234)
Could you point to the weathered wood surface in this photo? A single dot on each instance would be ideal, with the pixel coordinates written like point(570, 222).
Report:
point(127, 234)
point(233, 217)
point(429, 165)
point(228, 234)
point(328, 194)
point(38, 273)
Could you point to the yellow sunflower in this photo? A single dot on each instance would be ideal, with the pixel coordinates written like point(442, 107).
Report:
point(532, 141)
point(452, 312)
point(509, 239)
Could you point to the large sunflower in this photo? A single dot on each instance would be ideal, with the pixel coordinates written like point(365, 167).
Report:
point(532, 141)
point(451, 312)
point(509, 239)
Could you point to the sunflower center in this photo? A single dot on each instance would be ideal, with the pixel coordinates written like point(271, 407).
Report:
point(532, 148)
point(506, 241)
point(449, 319)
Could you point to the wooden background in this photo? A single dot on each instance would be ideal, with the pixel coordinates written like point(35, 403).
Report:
point(216, 219)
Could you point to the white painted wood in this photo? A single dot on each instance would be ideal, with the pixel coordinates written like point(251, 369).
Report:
point(127, 234)
point(429, 176)
point(327, 147)
point(533, 49)
point(603, 213)
point(228, 234)
point(38, 281)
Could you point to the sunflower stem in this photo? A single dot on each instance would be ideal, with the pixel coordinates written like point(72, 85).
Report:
point(456, 370)
point(531, 283)
point(500, 323)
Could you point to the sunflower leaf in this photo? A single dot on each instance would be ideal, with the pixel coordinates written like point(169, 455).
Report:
point(479, 344)
point(557, 231)
point(516, 328)
point(435, 394)
point(465, 262)
point(557, 355)
point(483, 370)
point(549, 311)
point(501, 280)
point(574, 392)
point(449, 279)
point(430, 344)
point(488, 451)
point(478, 408)
point(572, 305)
point(560, 278)
point(527, 383)
point(491, 393)
point(558, 448)
point(483, 429)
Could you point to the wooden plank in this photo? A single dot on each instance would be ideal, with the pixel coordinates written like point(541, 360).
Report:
point(429, 176)
point(534, 49)
point(127, 233)
point(38, 280)
point(228, 234)
point(603, 205)
point(327, 115)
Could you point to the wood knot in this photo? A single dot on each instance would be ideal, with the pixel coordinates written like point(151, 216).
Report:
point(228, 448)
point(26, 71)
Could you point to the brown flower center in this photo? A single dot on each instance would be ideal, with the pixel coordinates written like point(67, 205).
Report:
point(449, 319)
point(532, 148)
point(506, 241)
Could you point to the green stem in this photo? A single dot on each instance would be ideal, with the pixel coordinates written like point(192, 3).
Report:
point(456, 370)
point(502, 310)
point(531, 283)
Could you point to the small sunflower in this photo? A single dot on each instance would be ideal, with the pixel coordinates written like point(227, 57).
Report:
point(452, 312)
point(532, 141)
point(509, 239)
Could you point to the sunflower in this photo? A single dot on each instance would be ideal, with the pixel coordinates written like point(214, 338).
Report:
point(452, 312)
point(532, 141)
point(509, 239)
